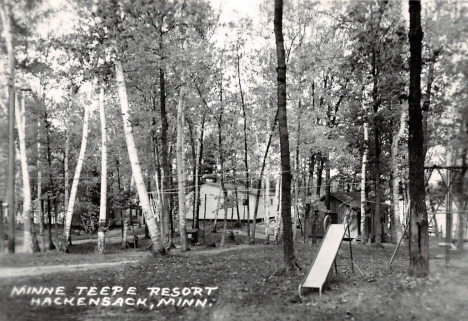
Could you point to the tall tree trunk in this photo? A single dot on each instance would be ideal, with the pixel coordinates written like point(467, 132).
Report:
point(195, 150)
point(246, 154)
point(236, 195)
point(377, 219)
point(461, 204)
point(56, 204)
point(66, 158)
point(319, 175)
point(166, 164)
point(297, 174)
point(427, 98)
point(262, 171)
point(310, 181)
point(49, 225)
point(126, 223)
point(158, 207)
point(103, 203)
point(51, 183)
point(279, 222)
point(448, 198)
point(288, 245)
point(157, 165)
point(295, 208)
point(157, 246)
point(364, 206)
point(29, 242)
point(122, 215)
point(66, 171)
point(39, 188)
point(419, 235)
point(223, 188)
point(6, 20)
point(277, 209)
point(180, 169)
point(199, 162)
point(2, 232)
point(397, 230)
point(76, 181)
point(268, 206)
point(377, 226)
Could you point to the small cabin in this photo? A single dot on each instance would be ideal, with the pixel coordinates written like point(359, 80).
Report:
point(211, 192)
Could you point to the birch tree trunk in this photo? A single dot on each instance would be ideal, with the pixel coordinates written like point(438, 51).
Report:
point(196, 192)
point(180, 170)
point(39, 188)
point(397, 230)
point(48, 123)
point(126, 222)
point(267, 212)
point(103, 204)
point(66, 170)
point(67, 155)
point(277, 235)
point(157, 246)
point(199, 162)
point(76, 181)
point(29, 242)
point(364, 229)
point(295, 208)
point(427, 99)
point(297, 175)
point(158, 199)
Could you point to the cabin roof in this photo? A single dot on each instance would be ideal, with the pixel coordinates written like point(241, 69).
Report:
point(240, 188)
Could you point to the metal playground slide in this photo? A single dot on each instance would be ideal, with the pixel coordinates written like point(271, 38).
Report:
point(318, 272)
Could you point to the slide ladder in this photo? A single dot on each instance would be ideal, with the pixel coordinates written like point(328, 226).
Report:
point(318, 272)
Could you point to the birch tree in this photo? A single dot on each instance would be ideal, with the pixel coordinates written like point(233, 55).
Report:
point(180, 169)
point(76, 181)
point(397, 231)
point(103, 203)
point(39, 188)
point(29, 242)
point(364, 225)
point(267, 211)
point(157, 246)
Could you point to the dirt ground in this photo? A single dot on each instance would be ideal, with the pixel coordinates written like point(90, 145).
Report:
point(247, 281)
